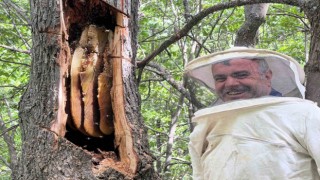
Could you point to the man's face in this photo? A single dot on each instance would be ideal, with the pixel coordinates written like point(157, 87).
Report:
point(240, 79)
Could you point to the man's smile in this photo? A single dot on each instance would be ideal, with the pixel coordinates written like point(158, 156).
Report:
point(236, 91)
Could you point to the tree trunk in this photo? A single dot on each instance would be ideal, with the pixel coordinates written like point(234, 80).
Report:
point(80, 116)
point(312, 67)
point(255, 15)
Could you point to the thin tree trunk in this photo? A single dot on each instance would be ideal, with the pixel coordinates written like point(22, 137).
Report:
point(254, 16)
point(312, 67)
point(172, 134)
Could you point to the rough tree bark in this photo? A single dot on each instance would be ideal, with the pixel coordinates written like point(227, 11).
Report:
point(312, 68)
point(62, 110)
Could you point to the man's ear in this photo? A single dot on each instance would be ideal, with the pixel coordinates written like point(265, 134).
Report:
point(268, 75)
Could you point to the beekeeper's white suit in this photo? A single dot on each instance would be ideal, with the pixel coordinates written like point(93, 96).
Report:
point(262, 138)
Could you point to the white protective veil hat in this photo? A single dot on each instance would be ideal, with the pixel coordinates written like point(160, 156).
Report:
point(287, 75)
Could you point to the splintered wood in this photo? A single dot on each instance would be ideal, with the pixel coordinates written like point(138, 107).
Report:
point(91, 82)
point(123, 131)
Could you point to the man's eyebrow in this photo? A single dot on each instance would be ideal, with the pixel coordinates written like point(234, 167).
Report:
point(219, 75)
point(240, 72)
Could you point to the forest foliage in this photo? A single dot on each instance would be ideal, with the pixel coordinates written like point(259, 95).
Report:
point(165, 106)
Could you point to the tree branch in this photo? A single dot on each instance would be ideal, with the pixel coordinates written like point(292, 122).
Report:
point(15, 63)
point(201, 45)
point(301, 18)
point(182, 161)
point(217, 20)
point(4, 161)
point(178, 86)
point(11, 86)
point(154, 130)
point(8, 129)
point(9, 139)
point(15, 49)
point(10, 143)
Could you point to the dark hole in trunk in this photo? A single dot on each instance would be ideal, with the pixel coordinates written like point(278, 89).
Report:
point(105, 143)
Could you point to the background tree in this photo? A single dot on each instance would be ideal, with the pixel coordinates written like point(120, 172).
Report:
point(15, 42)
point(171, 34)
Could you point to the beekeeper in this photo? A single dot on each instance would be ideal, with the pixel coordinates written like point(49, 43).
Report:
point(260, 127)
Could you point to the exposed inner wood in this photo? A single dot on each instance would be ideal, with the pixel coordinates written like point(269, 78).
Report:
point(58, 126)
point(112, 162)
point(123, 135)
